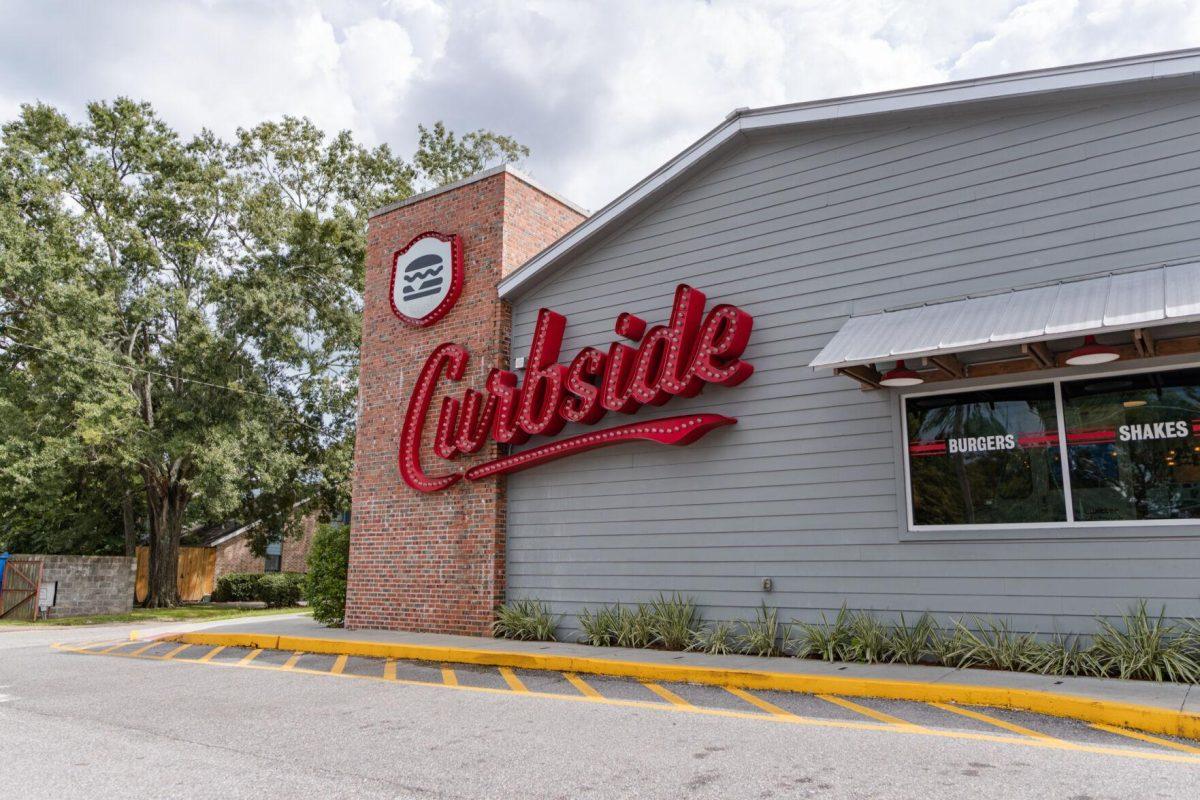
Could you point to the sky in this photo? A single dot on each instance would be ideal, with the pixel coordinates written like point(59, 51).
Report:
point(602, 92)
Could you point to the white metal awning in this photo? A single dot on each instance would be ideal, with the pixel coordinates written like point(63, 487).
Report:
point(1122, 301)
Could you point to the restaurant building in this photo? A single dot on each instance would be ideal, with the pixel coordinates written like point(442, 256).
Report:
point(935, 349)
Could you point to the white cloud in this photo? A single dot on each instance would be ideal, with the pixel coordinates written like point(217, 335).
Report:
point(602, 92)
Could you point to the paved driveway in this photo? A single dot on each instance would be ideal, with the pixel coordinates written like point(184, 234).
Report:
point(132, 719)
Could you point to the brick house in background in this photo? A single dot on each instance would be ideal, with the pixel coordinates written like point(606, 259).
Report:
point(232, 544)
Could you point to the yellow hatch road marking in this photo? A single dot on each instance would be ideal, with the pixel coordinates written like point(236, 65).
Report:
point(582, 685)
point(204, 659)
point(175, 652)
point(667, 694)
point(770, 708)
point(1145, 737)
point(999, 723)
point(339, 666)
point(512, 680)
point(905, 729)
point(448, 677)
point(246, 659)
point(867, 712)
point(116, 646)
point(141, 649)
point(292, 660)
point(389, 669)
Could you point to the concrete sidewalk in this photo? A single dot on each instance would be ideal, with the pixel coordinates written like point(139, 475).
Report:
point(1158, 707)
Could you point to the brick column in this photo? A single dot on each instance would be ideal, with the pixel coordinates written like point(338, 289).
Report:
point(435, 562)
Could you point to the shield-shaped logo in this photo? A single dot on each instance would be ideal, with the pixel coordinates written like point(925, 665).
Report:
point(427, 277)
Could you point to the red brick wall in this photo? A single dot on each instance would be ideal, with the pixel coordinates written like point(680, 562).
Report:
point(435, 562)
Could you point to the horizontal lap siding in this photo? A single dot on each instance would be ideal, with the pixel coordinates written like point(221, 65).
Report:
point(801, 230)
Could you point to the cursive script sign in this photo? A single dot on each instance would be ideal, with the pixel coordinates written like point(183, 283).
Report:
point(672, 360)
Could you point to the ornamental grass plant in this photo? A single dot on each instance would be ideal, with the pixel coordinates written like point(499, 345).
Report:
point(719, 640)
point(1138, 645)
point(1147, 647)
point(763, 635)
point(526, 620)
point(673, 621)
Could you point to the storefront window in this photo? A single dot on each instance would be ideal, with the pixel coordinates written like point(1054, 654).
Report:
point(1132, 446)
point(985, 457)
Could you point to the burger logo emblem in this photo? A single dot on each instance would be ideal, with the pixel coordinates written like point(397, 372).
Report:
point(427, 278)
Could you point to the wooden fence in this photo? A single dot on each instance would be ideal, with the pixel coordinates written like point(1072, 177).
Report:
point(19, 588)
point(197, 568)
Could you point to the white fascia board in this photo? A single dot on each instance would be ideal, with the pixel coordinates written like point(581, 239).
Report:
point(1122, 70)
point(625, 202)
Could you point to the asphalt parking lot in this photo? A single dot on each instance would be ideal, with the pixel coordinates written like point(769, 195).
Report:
point(108, 717)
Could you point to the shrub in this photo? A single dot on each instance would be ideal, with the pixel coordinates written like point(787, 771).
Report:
point(1146, 647)
point(325, 585)
point(599, 628)
point(867, 640)
point(910, 644)
point(673, 621)
point(1062, 655)
point(823, 640)
point(761, 637)
point(236, 587)
point(994, 645)
point(634, 627)
point(525, 619)
point(719, 640)
point(281, 589)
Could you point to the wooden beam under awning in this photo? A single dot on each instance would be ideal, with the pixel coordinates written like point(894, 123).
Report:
point(949, 365)
point(1040, 353)
point(1034, 357)
point(865, 374)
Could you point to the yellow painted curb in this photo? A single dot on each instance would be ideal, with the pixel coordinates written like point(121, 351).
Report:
point(1124, 715)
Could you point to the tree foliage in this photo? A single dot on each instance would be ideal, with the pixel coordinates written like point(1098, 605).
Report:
point(179, 323)
point(444, 158)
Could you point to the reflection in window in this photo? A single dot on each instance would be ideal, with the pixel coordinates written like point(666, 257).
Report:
point(985, 457)
point(274, 557)
point(1132, 446)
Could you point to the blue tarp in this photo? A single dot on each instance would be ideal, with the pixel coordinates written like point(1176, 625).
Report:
point(3, 561)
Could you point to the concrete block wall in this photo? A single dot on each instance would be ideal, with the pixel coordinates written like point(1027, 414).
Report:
point(89, 585)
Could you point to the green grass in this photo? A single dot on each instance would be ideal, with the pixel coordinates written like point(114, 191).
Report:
point(197, 613)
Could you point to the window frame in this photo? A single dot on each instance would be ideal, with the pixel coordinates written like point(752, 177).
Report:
point(268, 555)
point(1013, 530)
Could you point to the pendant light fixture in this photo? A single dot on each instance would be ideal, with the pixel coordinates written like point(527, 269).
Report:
point(901, 375)
point(1091, 353)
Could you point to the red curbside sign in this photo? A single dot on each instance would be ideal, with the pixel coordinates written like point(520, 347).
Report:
point(672, 360)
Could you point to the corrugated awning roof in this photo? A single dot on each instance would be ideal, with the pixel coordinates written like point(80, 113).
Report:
point(1122, 301)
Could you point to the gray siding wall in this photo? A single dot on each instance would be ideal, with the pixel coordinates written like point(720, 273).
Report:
point(801, 230)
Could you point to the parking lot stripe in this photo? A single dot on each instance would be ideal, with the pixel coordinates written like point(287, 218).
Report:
point(389, 669)
point(1145, 737)
point(582, 685)
point(293, 660)
point(770, 708)
point(141, 650)
point(906, 729)
point(999, 723)
point(448, 677)
point(866, 712)
point(246, 659)
point(512, 680)
point(204, 659)
point(339, 666)
point(116, 646)
point(176, 652)
point(667, 694)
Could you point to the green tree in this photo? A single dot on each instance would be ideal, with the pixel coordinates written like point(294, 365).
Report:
point(179, 322)
point(444, 158)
